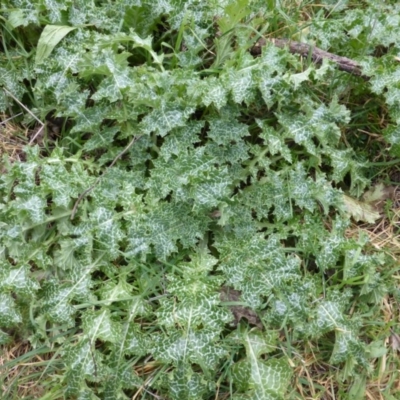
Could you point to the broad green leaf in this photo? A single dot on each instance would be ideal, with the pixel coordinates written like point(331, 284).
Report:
point(241, 373)
point(135, 342)
point(184, 383)
point(84, 362)
point(112, 292)
point(268, 379)
point(101, 325)
point(199, 347)
point(180, 140)
point(260, 343)
point(107, 231)
point(377, 349)
point(162, 228)
point(196, 309)
point(199, 310)
point(241, 84)
point(33, 207)
point(234, 12)
point(16, 18)
point(299, 78)
point(357, 390)
point(62, 182)
point(274, 141)
point(209, 91)
point(56, 302)
point(23, 16)
point(165, 118)
point(120, 377)
point(299, 128)
point(348, 346)
point(50, 37)
point(17, 280)
point(224, 131)
point(9, 314)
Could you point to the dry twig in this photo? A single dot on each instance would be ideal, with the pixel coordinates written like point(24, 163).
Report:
point(317, 55)
point(31, 113)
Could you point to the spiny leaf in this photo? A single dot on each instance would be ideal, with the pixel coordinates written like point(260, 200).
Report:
point(17, 280)
point(268, 379)
point(166, 117)
point(100, 325)
point(83, 363)
point(9, 314)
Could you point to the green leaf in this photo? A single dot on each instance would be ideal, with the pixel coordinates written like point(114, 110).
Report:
point(257, 267)
point(162, 228)
point(260, 343)
point(234, 12)
point(23, 16)
point(4, 338)
point(136, 342)
point(34, 207)
point(56, 302)
point(199, 347)
point(241, 374)
point(357, 390)
point(165, 118)
point(241, 84)
point(348, 346)
point(377, 349)
point(268, 379)
point(9, 314)
point(16, 18)
point(107, 231)
point(100, 325)
point(274, 141)
point(180, 140)
point(17, 280)
point(50, 37)
point(83, 363)
point(209, 91)
point(234, 182)
point(299, 78)
point(184, 383)
point(196, 310)
point(227, 131)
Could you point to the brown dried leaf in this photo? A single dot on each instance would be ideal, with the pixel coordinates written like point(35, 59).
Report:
point(239, 312)
point(360, 211)
point(395, 341)
point(378, 194)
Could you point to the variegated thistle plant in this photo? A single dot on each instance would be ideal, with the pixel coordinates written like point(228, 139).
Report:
point(188, 167)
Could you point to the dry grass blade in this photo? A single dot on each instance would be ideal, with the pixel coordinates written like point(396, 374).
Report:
point(12, 138)
point(20, 379)
point(24, 107)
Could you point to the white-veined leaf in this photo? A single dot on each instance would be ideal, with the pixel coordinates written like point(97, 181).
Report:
point(9, 314)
